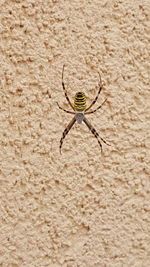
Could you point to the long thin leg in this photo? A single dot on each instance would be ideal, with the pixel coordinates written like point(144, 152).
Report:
point(65, 132)
point(70, 112)
point(100, 88)
point(63, 85)
point(96, 108)
point(94, 132)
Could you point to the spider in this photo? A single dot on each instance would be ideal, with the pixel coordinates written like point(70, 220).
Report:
point(80, 110)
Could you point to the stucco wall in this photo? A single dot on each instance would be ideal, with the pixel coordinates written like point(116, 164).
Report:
point(80, 208)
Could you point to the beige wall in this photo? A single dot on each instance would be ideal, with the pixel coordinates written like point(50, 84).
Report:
point(81, 208)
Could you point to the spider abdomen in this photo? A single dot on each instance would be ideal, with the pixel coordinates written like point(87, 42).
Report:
point(80, 102)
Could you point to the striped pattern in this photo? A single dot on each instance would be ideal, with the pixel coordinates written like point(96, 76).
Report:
point(80, 102)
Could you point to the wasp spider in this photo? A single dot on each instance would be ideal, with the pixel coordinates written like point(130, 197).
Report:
point(80, 110)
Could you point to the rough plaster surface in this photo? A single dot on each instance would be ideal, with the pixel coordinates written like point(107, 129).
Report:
point(81, 208)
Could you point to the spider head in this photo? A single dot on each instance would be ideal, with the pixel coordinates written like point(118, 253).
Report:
point(80, 102)
point(79, 117)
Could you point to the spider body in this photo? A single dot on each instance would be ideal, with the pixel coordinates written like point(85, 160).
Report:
point(79, 106)
point(79, 111)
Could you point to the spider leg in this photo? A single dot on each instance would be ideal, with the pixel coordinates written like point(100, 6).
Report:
point(96, 108)
point(66, 110)
point(94, 132)
point(65, 132)
point(63, 85)
point(100, 88)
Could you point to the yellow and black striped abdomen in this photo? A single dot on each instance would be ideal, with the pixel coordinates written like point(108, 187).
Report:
point(80, 101)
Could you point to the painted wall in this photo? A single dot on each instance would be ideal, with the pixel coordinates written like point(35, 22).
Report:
point(81, 208)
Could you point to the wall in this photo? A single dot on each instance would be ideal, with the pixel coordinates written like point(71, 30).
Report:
point(81, 208)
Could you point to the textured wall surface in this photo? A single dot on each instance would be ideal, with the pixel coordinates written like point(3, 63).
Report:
point(80, 208)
